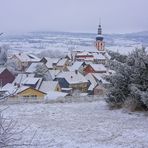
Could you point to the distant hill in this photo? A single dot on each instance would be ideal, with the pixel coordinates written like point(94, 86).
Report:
point(65, 40)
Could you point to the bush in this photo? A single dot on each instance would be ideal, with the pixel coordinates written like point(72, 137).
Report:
point(130, 83)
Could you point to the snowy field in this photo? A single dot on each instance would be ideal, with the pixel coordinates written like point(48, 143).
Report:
point(79, 125)
point(37, 42)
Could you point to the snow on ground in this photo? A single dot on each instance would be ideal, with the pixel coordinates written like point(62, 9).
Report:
point(80, 125)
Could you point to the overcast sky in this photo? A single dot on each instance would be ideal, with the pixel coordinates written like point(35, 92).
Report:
point(117, 16)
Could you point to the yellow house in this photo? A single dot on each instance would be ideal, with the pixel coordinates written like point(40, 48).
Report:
point(29, 92)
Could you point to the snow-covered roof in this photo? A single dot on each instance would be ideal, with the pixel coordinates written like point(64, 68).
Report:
point(98, 77)
point(30, 81)
point(76, 66)
point(2, 69)
point(85, 53)
point(107, 56)
point(23, 57)
point(61, 62)
point(23, 88)
point(51, 61)
point(53, 95)
point(83, 94)
point(20, 78)
point(69, 55)
point(92, 80)
point(88, 59)
point(10, 88)
point(33, 57)
point(54, 73)
point(72, 77)
point(66, 89)
point(39, 83)
point(99, 35)
point(99, 56)
point(86, 48)
point(33, 66)
point(98, 67)
point(47, 86)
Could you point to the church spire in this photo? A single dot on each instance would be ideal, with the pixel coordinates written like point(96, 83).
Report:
point(99, 35)
point(100, 44)
point(99, 28)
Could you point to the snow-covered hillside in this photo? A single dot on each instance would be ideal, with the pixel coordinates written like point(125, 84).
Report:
point(36, 42)
point(79, 125)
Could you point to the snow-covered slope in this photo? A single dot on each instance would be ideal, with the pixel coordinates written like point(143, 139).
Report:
point(79, 125)
point(63, 41)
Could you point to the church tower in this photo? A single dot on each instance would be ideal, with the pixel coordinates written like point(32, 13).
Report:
point(100, 44)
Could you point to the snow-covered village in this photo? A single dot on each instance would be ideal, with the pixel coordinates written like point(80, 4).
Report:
point(80, 72)
point(73, 75)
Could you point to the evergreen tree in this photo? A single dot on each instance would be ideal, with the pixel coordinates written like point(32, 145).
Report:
point(130, 83)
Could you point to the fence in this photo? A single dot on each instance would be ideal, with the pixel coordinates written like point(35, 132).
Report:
point(67, 99)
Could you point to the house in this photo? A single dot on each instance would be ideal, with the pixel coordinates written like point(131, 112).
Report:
point(33, 67)
point(48, 86)
point(69, 56)
point(32, 82)
point(29, 92)
point(102, 85)
point(23, 60)
point(62, 64)
point(51, 63)
point(92, 83)
point(5, 76)
point(100, 80)
point(98, 85)
point(39, 70)
point(99, 90)
point(84, 56)
point(67, 90)
point(54, 73)
point(20, 78)
point(43, 60)
point(72, 79)
point(79, 66)
point(9, 89)
point(99, 58)
point(95, 68)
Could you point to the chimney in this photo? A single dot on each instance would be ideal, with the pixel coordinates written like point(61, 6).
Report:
point(76, 71)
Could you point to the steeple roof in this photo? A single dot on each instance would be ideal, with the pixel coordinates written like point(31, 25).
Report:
point(99, 35)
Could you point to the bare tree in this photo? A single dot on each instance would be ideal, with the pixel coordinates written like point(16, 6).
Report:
point(8, 134)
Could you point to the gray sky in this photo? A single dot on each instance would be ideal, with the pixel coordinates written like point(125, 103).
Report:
point(117, 16)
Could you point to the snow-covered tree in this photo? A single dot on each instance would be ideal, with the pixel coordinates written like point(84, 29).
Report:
point(52, 54)
point(130, 83)
point(117, 56)
point(12, 66)
point(42, 71)
point(3, 54)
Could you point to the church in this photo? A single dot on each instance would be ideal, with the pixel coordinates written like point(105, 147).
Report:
point(100, 44)
point(96, 54)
